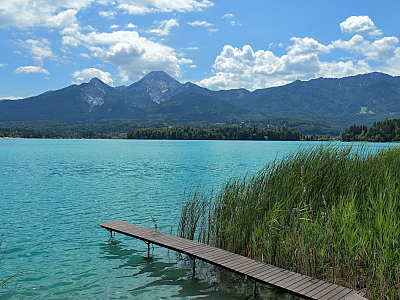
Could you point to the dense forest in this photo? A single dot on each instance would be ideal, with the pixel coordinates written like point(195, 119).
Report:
point(175, 133)
point(385, 131)
point(118, 128)
point(226, 133)
point(40, 134)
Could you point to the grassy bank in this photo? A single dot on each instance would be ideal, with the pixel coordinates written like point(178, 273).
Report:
point(332, 213)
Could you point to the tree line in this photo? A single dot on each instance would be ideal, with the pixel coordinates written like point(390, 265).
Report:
point(224, 133)
point(385, 131)
point(41, 134)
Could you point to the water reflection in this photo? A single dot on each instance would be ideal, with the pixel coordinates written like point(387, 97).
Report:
point(170, 276)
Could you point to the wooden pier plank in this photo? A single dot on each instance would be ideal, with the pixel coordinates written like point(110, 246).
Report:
point(332, 294)
point(292, 282)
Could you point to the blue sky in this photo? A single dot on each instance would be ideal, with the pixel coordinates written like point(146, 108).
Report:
point(48, 45)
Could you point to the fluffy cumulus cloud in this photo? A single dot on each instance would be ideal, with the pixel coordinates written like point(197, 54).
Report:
point(362, 25)
point(31, 69)
point(164, 27)
point(139, 7)
point(131, 26)
point(132, 54)
point(236, 67)
point(250, 69)
point(24, 14)
point(393, 64)
point(87, 74)
point(380, 50)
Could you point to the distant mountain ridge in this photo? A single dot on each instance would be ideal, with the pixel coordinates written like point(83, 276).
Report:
point(360, 99)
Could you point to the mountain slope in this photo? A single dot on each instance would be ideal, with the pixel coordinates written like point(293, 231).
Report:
point(189, 107)
point(361, 99)
point(157, 85)
point(88, 100)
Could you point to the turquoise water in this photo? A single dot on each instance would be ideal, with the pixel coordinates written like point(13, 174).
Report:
point(53, 193)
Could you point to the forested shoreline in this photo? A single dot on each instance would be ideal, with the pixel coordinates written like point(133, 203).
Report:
point(171, 133)
point(385, 131)
point(225, 133)
point(41, 134)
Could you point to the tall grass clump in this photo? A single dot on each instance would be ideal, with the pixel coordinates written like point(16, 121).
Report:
point(331, 212)
point(194, 222)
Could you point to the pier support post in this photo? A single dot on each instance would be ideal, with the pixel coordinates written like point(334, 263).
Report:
point(111, 235)
point(194, 267)
point(254, 286)
point(148, 249)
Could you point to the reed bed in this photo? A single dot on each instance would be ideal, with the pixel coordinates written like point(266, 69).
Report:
point(331, 212)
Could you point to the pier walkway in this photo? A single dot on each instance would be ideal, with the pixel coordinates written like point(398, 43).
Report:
point(255, 271)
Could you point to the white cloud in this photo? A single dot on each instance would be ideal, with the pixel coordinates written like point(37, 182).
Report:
point(305, 46)
point(380, 50)
point(85, 55)
point(164, 27)
point(227, 16)
point(342, 69)
point(114, 26)
point(198, 23)
point(132, 54)
point(355, 44)
point(40, 49)
point(236, 68)
point(139, 7)
point(108, 14)
point(31, 69)
point(62, 19)
point(362, 25)
point(24, 14)
point(131, 26)
point(393, 64)
point(2, 65)
point(135, 9)
point(10, 98)
point(87, 74)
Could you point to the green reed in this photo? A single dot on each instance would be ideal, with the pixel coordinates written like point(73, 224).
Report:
point(331, 212)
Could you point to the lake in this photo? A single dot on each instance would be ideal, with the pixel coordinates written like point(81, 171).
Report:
point(53, 193)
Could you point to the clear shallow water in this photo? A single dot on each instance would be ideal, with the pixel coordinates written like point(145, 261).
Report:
point(53, 193)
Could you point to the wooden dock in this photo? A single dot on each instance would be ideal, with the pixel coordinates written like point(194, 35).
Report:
point(255, 271)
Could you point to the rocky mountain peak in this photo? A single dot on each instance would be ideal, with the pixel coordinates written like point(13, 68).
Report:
point(93, 93)
point(97, 82)
point(158, 85)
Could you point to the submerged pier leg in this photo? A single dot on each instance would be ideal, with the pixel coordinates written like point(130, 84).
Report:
point(148, 249)
point(254, 286)
point(111, 235)
point(194, 267)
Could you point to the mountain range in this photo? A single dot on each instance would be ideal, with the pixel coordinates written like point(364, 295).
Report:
point(361, 99)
